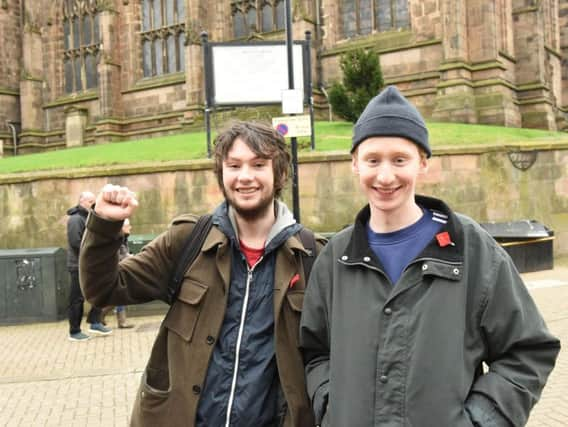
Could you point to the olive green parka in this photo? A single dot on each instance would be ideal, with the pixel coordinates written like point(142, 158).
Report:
point(412, 354)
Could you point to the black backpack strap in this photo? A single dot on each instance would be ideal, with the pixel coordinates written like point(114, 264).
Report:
point(308, 239)
point(190, 250)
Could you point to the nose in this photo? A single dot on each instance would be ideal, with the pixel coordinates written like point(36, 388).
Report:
point(245, 173)
point(385, 175)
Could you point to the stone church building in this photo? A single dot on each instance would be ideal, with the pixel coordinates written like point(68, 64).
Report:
point(76, 72)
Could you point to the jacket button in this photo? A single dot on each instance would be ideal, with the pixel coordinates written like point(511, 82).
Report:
point(388, 311)
point(383, 379)
point(456, 271)
point(366, 259)
point(424, 267)
point(344, 258)
point(210, 340)
point(196, 389)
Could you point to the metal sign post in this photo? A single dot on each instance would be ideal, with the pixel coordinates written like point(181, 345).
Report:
point(293, 140)
point(207, 112)
point(310, 100)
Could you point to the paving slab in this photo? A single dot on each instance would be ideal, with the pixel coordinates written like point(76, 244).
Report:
point(46, 380)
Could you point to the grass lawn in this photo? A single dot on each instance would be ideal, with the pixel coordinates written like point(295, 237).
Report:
point(330, 136)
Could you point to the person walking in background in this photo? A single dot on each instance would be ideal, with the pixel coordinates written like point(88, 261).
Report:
point(123, 252)
point(75, 229)
point(120, 310)
point(406, 307)
point(227, 351)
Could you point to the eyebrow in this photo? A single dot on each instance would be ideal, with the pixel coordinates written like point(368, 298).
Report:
point(256, 158)
point(390, 154)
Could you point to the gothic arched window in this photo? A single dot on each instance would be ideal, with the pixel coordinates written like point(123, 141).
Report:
point(163, 37)
point(360, 17)
point(81, 44)
point(257, 16)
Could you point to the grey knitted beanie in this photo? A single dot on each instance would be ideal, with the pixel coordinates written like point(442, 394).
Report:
point(390, 114)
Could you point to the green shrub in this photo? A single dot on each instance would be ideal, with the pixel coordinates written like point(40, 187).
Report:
point(362, 80)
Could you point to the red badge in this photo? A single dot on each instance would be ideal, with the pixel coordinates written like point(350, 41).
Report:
point(444, 239)
point(294, 280)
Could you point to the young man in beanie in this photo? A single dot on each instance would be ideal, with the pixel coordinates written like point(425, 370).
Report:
point(227, 352)
point(406, 307)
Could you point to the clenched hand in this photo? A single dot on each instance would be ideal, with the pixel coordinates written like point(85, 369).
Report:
point(115, 203)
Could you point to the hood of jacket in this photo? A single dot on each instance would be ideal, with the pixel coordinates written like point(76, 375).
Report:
point(78, 210)
point(284, 226)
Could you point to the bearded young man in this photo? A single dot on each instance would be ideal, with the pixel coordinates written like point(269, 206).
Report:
point(406, 306)
point(227, 352)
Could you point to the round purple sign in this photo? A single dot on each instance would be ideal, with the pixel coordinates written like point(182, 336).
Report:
point(282, 128)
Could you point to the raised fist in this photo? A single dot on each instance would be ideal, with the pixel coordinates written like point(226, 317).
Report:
point(115, 203)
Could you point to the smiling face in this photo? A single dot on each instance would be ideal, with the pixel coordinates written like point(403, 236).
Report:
point(388, 168)
point(248, 181)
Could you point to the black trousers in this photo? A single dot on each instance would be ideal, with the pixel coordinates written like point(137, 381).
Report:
point(75, 309)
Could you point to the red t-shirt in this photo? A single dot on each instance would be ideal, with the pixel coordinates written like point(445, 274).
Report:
point(251, 254)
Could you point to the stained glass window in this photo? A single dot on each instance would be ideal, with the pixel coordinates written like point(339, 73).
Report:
point(361, 17)
point(257, 16)
point(81, 44)
point(163, 37)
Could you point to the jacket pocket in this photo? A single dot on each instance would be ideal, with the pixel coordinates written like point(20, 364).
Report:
point(152, 405)
point(184, 313)
point(295, 303)
point(296, 300)
point(149, 391)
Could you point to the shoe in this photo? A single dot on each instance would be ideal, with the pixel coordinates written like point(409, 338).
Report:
point(79, 336)
point(99, 329)
point(121, 320)
point(104, 312)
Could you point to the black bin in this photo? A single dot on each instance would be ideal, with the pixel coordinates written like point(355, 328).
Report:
point(137, 241)
point(529, 243)
point(135, 244)
point(34, 285)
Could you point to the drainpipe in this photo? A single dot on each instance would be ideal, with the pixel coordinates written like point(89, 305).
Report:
point(14, 136)
point(319, 67)
point(319, 42)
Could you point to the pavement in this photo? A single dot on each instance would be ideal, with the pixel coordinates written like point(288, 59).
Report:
point(46, 380)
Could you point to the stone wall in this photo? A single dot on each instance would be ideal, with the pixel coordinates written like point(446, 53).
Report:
point(482, 184)
point(471, 61)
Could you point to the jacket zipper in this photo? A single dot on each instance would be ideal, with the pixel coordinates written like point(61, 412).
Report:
point(369, 266)
point(238, 346)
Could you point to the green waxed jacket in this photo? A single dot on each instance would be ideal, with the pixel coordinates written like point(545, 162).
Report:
point(174, 377)
point(412, 354)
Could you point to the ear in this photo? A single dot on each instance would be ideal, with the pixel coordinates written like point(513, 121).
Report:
point(423, 165)
point(279, 184)
point(354, 164)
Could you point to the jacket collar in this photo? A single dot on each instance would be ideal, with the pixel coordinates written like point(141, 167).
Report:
point(358, 249)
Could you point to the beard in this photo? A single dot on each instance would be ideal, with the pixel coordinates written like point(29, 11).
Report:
point(253, 213)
